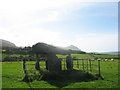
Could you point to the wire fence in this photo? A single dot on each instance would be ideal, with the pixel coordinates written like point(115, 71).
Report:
point(87, 65)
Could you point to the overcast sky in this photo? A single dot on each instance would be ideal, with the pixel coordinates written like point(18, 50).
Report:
point(91, 26)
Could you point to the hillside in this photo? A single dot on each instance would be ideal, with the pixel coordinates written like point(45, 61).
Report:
point(72, 47)
point(5, 43)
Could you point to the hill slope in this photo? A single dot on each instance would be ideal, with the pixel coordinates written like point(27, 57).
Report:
point(73, 48)
point(5, 43)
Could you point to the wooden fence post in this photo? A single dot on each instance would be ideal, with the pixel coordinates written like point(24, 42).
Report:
point(64, 64)
point(26, 78)
point(90, 66)
point(99, 68)
point(24, 66)
point(78, 64)
point(83, 64)
point(87, 64)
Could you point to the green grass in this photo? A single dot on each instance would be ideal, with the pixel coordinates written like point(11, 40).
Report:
point(11, 55)
point(12, 75)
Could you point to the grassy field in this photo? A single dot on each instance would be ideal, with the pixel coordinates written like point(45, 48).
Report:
point(12, 75)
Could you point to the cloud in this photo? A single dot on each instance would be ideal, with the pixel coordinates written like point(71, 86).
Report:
point(28, 37)
point(90, 42)
point(35, 12)
point(20, 23)
point(20, 20)
point(97, 42)
point(24, 13)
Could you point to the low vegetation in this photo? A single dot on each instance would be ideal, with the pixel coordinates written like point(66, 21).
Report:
point(12, 75)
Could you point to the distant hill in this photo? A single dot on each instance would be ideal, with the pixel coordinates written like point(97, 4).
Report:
point(43, 48)
point(5, 43)
point(72, 47)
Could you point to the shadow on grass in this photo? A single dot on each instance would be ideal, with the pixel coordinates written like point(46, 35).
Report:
point(65, 77)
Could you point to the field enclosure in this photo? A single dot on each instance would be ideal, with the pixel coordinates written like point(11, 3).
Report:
point(12, 74)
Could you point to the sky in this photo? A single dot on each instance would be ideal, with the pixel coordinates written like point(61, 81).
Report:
point(91, 26)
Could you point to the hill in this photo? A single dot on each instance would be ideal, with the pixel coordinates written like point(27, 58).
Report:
point(5, 43)
point(72, 47)
point(44, 48)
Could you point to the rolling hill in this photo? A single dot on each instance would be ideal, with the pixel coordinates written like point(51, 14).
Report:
point(5, 43)
point(72, 47)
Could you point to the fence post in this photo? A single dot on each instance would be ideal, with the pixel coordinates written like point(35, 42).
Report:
point(26, 78)
point(99, 68)
point(78, 64)
point(64, 64)
point(90, 65)
point(87, 64)
point(83, 64)
point(24, 66)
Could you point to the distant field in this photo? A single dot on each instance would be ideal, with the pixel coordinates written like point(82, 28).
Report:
point(93, 56)
point(12, 74)
point(87, 56)
point(12, 55)
point(74, 55)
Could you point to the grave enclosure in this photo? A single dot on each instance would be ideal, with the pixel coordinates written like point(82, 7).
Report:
point(47, 55)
